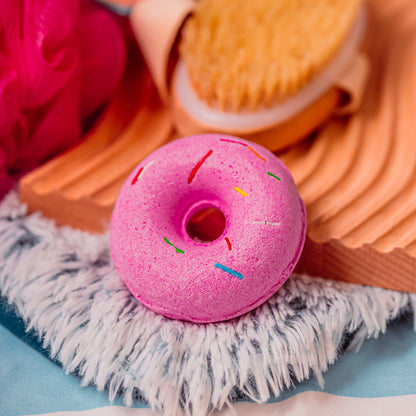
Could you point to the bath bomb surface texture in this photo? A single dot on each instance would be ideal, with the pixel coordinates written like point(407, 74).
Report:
point(207, 227)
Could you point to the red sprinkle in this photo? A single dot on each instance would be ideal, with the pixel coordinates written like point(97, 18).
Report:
point(137, 176)
point(233, 141)
point(197, 166)
point(228, 243)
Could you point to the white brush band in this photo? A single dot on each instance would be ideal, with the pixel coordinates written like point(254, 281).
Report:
point(260, 119)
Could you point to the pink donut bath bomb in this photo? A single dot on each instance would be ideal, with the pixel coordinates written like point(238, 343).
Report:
point(182, 277)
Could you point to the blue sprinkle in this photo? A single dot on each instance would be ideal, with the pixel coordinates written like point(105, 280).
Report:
point(229, 271)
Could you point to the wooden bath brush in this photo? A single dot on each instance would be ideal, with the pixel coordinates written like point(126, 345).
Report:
point(270, 71)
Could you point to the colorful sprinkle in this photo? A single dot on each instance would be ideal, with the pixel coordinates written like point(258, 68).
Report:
point(137, 176)
point(240, 191)
point(227, 240)
point(246, 145)
point(178, 250)
point(260, 157)
point(274, 176)
point(229, 271)
point(266, 223)
point(141, 172)
point(233, 141)
point(197, 166)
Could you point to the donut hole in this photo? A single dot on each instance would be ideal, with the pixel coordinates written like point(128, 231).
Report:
point(206, 225)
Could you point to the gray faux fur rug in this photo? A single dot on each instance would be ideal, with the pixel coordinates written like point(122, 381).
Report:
point(64, 285)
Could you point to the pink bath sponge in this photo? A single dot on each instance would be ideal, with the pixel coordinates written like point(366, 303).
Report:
point(162, 257)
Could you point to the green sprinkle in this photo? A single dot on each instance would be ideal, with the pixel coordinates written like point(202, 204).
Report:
point(178, 250)
point(274, 176)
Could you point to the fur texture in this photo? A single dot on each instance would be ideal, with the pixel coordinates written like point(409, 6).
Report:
point(64, 285)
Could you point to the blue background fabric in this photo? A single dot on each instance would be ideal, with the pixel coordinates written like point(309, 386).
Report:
point(32, 384)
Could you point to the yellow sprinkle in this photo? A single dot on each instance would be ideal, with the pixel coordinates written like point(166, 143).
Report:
point(240, 191)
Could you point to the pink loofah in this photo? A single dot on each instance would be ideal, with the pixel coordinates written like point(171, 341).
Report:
point(187, 279)
point(59, 61)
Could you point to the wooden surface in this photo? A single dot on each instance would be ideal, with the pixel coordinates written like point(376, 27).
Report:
point(357, 176)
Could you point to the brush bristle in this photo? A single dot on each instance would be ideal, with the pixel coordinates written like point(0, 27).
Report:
point(246, 54)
